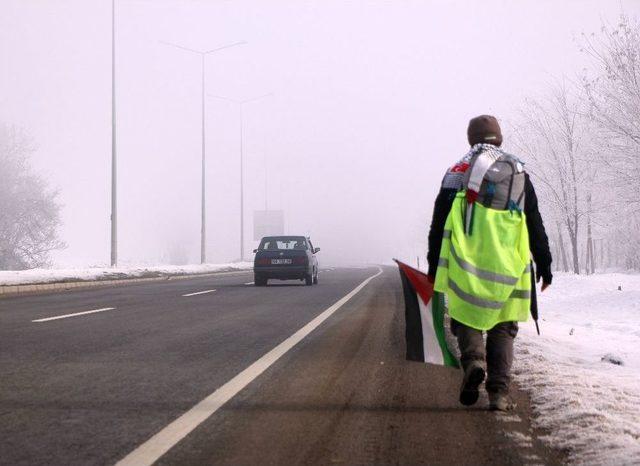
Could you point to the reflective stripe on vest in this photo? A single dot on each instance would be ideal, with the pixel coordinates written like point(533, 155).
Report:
point(486, 276)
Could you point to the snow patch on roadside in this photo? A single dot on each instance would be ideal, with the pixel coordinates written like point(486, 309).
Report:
point(37, 276)
point(583, 372)
point(520, 439)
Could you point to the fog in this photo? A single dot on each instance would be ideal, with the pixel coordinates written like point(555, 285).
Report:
point(370, 106)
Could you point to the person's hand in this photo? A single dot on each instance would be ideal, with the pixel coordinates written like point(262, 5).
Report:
point(546, 277)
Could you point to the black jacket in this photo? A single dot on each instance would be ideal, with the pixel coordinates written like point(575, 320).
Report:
point(538, 241)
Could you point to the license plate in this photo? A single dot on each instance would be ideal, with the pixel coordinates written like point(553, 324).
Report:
point(280, 261)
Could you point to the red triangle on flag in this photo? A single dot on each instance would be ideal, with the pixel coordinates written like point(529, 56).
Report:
point(419, 280)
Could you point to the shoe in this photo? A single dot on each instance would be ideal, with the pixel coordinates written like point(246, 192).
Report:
point(473, 377)
point(501, 402)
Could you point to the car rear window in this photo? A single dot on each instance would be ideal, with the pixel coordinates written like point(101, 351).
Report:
point(283, 244)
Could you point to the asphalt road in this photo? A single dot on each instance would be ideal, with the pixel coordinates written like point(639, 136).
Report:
point(93, 388)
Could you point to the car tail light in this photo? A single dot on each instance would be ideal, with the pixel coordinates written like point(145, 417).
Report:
point(262, 261)
point(301, 260)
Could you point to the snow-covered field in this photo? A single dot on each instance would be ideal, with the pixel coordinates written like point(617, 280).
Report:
point(583, 372)
point(25, 277)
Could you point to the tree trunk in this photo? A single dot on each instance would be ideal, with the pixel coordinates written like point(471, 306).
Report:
point(563, 254)
point(590, 262)
point(573, 237)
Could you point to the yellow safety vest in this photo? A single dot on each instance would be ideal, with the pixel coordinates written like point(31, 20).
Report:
point(485, 274)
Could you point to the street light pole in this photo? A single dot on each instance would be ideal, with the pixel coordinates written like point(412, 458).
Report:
point(203, 225)
point(203, 184)
point(266, 192)
point(240, 104)
point(114, 171)
point(241, 186)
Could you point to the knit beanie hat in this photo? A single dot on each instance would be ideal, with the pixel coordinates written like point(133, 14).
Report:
point(484, 129)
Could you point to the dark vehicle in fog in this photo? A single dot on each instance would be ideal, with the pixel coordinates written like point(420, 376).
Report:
point(285, 258)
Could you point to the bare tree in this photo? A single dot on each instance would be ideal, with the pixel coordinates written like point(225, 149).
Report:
point(614, 98)
point(553, 135)
point(29, 212)
point(583, 143)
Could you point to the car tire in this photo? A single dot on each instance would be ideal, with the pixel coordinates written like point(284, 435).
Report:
point(308, 279)
point(260, 281)
point(315, 278)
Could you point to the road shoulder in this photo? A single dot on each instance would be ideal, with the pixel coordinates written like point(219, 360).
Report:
point(347, 396)
point(60, 286)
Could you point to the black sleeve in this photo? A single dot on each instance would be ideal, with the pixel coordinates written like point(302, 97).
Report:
point(443, 204)
point(538, 240)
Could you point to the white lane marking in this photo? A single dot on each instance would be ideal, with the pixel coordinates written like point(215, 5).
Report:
point(150, 451)
point(250, 283)
point(74, 314)
point(196, 294)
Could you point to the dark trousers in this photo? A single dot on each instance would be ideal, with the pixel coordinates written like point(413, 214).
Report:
point(498, 355)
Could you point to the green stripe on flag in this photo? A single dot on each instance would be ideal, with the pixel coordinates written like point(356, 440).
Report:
point(437, 309)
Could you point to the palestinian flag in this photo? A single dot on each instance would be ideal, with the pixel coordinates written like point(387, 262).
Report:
point(424, 319)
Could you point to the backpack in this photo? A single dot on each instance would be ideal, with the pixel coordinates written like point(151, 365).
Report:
point(495, 179)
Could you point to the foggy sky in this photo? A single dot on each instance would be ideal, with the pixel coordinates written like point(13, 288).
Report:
point(371, 105)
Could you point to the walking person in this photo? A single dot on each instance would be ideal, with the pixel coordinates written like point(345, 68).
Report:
point(485, 228)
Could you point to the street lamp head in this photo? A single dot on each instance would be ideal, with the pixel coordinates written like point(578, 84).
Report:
point(221, 97)
point(202, 52)
point(225, 47)
point(253, 99)
point(181, 47)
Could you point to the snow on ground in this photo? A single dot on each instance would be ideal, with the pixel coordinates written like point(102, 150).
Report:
point(25, 277)
point(583, 372)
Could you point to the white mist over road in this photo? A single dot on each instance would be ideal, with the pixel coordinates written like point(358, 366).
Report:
point(371, 102)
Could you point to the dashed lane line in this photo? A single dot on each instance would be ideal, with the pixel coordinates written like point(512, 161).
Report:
point(151, 450)
point(249, 283)
point(75, 314)
point(197, 293)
